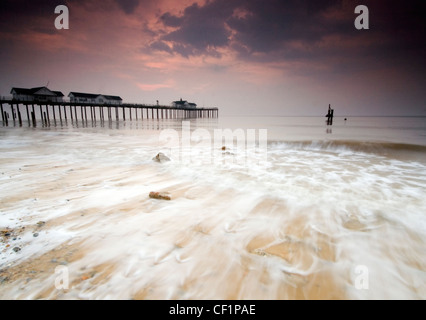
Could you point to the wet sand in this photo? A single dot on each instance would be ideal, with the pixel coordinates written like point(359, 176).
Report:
point(80, 202)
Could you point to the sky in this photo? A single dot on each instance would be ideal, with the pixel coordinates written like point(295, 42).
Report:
point(246, 57)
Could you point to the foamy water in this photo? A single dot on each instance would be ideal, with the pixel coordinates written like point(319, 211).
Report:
point(324, 217)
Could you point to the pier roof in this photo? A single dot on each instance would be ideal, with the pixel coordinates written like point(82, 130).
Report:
point(34, 91)
point(83, 95)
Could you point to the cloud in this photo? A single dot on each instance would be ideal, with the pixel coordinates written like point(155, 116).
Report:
point(295, 29)
point(252, 26)
point(200, 29)
point(154, 86)
point(128, 6)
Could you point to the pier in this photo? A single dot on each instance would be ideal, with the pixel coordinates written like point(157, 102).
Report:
point(15, 112)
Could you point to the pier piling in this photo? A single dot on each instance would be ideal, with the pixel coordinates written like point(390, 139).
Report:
point(2, 112)
point(157, 112)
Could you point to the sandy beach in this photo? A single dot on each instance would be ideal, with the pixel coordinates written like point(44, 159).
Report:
point(317, 221)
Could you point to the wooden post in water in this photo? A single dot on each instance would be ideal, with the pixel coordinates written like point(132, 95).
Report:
point(13, 114)
point(60, 114)
point(330, 115)
point(33, 116)
point(41, 113)
point(28, 114)
point(81, 112)
point(48, 116)
point(2, 112)
point(54, 114)
point(19, 115)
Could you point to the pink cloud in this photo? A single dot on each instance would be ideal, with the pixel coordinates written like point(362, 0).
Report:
point(155, 86)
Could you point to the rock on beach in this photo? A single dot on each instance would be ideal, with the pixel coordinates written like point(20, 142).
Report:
point(161, 157)
point(160, 195)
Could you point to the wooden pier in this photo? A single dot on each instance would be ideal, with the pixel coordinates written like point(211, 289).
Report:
point(53, 113)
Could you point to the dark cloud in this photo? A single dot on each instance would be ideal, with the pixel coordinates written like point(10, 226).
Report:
point(170, 20)
point(160, 46)
point(17, 15)
point(271, 24)
point(318, 36)
point(270, 27)
point(128, 6)
point(200, 29)
point(262, 26)
point(20, 14)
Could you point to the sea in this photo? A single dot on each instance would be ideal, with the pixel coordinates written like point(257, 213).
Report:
point(257, 208)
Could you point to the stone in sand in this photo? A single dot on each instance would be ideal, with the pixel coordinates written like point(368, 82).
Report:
point(160, 195)
point(161, 157)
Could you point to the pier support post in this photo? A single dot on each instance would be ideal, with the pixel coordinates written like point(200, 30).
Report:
point(41, 113)
point(33, 116)
point(60, 114)
point(28, 114)
point(13, 114)
point(2, 112)
point(75, 113)
point(54, 114)
point(19, 115)
point(48, 116)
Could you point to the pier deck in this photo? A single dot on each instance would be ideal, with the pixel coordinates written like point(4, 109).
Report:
point(15, 111)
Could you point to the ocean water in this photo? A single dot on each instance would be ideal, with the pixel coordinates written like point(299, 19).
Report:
point(261, 208)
